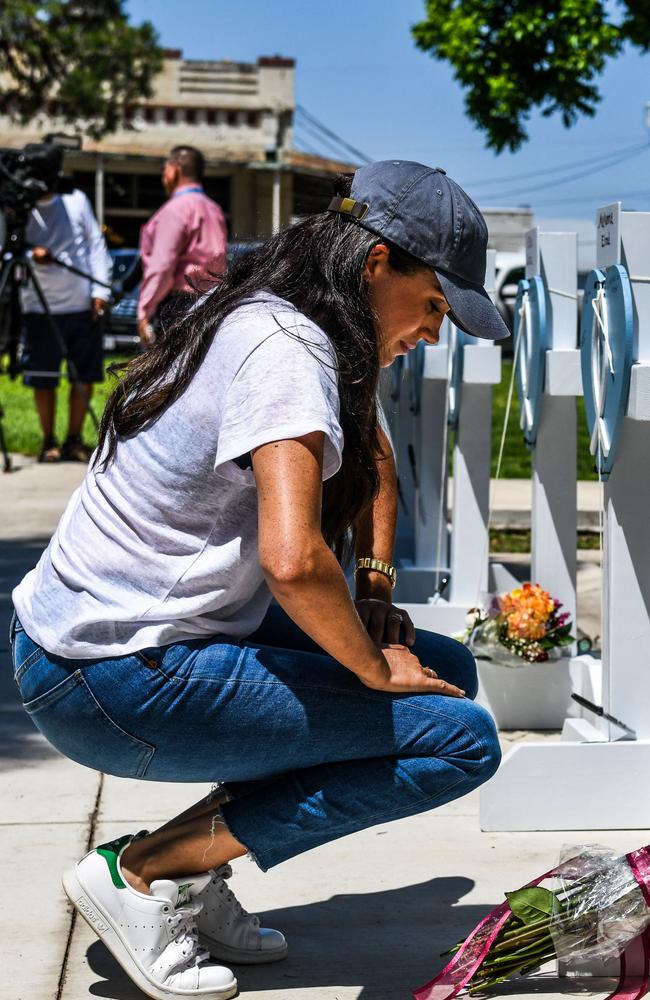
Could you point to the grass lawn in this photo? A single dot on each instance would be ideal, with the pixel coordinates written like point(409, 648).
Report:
point(519, 541)
point(516, 462)
point(21, 423)
point(23, 434)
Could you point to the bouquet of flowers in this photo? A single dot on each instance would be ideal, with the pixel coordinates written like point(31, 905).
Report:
point(525, 624)
point(598, 908)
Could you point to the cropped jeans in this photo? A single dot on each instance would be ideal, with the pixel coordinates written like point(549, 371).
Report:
point(305, 751)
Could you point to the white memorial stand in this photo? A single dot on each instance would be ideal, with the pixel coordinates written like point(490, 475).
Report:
point(470, 544)
point(417, 424)
point(548, 374)
point(465, 555)
point(596, 777)
point(554, 256)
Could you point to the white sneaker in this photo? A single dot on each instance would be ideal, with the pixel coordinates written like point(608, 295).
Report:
point(228, 932)
point(153, 937)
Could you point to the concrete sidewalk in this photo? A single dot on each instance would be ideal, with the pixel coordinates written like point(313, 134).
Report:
point(366, 916)
point(41, 491)
point(511, 502)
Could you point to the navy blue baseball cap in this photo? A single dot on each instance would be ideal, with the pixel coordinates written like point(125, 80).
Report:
point(427, 214)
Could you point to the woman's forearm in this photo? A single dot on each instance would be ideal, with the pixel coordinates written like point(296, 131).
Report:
point(317, 598)
point(376, 527)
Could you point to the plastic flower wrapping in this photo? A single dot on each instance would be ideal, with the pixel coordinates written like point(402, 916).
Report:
point(523, 625)
point(594, 906)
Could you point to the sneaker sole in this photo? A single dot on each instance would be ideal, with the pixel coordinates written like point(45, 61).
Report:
point(241, 956)
point(101, 924)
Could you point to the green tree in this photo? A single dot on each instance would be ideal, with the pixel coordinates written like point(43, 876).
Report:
point(512, 56)
point(78, 59)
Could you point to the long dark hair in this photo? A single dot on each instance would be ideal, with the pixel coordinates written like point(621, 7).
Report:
point(317, 265)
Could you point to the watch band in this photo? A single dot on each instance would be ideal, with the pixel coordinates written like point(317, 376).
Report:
point(379, 566)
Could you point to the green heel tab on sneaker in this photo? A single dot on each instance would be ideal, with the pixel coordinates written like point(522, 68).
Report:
point(111, 852)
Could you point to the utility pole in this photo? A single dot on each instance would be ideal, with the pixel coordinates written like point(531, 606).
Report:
point(273, 155)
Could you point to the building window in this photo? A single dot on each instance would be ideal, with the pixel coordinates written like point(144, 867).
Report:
point(150, 114)
point(211, 116)
point(170, 115)
point(190, 116)
point(231, 117)
point(251, 119)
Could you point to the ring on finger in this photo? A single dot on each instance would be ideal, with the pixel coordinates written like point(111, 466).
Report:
point(396, 616)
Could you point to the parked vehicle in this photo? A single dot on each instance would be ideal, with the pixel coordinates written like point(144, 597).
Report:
point(510, 269)
point(121, 322)
point(121, 327)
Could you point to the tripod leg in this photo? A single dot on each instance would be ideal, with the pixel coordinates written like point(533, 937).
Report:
point(5, 273)
point(6, 457)
point(10, 317)
point(72, 368)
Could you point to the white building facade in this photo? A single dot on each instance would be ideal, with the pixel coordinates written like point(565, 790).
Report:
point(240, 115)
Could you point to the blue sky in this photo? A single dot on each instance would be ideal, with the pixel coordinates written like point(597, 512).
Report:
point(358, 71)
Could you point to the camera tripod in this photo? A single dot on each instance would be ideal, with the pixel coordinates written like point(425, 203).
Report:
point(17, 269)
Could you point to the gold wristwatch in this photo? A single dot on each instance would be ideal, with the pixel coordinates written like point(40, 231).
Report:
point(379, 567)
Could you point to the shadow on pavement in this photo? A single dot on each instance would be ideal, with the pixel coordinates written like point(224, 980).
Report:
point(20, 741)
point(385, 943)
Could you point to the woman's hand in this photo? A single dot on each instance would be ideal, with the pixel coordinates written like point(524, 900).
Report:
point(406, 675)
point(383, 622)
point(305, 578)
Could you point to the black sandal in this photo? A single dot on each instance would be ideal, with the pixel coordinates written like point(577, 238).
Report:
point(50, 451)
point(74, 450)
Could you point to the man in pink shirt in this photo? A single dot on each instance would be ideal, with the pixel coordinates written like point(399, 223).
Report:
point(184, 237)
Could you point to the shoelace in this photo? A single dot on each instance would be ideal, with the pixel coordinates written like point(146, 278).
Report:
point(220, 875)
point(185, 933)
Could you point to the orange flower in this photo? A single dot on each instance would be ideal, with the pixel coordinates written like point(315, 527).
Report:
point(526, 611)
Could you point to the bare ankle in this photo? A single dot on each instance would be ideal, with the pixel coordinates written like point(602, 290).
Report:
point(132, 873)
point(135, 881)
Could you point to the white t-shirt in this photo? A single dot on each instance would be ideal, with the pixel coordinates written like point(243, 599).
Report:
point(67, 227)
point(163, 545)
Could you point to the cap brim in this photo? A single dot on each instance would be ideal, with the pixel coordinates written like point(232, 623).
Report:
point(471, 308)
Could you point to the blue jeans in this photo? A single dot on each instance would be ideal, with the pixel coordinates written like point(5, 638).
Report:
point(306, 752)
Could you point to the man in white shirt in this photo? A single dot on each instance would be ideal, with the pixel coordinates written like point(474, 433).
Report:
point(63, 226)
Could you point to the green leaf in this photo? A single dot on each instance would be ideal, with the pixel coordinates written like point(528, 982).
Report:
point(518, 57)
point(530, 904)
point(84, 57)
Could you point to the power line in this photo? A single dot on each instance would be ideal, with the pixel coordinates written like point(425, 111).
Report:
point(548, 170)
point(315, 133)
point(319, 150)
point(595, 168)
point(332, 135)
point(597, 199)
point(341, 148)
point(305, 135)
point(308, 148)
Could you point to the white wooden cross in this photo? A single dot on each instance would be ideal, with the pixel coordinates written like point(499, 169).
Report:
point(596, 777)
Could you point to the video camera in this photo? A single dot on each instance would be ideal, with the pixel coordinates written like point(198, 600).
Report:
point(25, 176)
